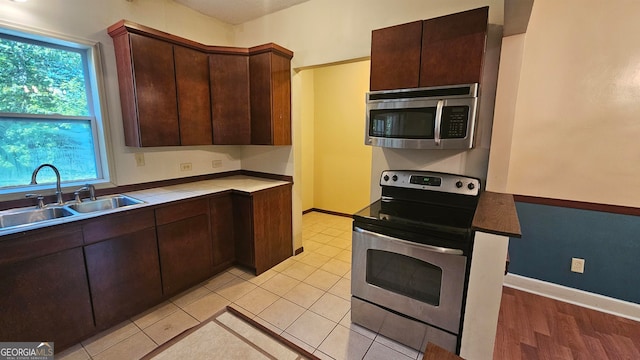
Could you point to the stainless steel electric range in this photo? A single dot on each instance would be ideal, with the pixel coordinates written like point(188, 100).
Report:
point(411, 258)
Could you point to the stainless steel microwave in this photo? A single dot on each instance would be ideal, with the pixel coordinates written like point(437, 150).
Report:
point(440, 117)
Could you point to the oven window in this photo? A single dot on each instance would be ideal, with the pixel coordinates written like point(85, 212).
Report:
point(404, 275)
point(412, 123)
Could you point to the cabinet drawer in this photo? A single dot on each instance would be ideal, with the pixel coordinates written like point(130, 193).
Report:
point(35, 243)
point(181, 210)
point(116, 225)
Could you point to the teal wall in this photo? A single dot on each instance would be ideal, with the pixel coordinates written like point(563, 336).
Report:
point(551, 236)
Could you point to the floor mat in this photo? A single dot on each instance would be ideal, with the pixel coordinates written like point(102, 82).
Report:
point(229, 335)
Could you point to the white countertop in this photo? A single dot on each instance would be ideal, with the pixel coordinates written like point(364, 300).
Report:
point(165, 194)
point(242, 183)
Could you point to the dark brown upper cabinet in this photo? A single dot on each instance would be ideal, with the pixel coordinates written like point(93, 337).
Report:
point(453, 48)
point(164, 92)
point(147, 91)
point(270, 84)
point(446, 50)
point(395, 57)
point(175, 91)
point(230, 99)
point(194, 105)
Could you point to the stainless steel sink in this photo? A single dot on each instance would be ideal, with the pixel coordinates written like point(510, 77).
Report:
point(104, 203)
point(24, 216)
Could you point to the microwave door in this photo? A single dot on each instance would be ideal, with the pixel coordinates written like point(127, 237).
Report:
point(400, 127)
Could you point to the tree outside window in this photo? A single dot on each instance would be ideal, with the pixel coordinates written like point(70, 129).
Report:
point(46, 112)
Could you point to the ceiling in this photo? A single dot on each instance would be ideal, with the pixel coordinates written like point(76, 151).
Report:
point(238, 11)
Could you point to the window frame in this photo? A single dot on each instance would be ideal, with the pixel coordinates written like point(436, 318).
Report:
point(94, 85)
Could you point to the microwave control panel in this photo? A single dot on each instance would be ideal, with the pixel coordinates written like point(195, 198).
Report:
point(454, 122)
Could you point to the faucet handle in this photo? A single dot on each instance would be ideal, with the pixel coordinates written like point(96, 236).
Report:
point(86, 187)
point(38, 197)
point(92, 191)
point(76, 195)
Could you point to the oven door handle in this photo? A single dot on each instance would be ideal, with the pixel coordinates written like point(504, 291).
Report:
point(432, 248)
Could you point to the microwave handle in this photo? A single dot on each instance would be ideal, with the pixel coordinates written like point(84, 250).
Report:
point(436, 130)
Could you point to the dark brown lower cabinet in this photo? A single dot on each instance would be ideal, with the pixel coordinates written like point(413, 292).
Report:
point(123, 270)
point(46, 299)
point(263, 229)
point(222, 236)
point(184, 243)
point(65, 283)
point(243, 229)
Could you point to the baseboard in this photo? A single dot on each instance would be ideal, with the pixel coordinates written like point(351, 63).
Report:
point(578, 297)
point(327, 212)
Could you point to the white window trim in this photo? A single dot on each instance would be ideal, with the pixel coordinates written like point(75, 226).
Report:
point(97, 101)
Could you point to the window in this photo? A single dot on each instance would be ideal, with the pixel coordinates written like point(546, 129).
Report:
point(49, 112)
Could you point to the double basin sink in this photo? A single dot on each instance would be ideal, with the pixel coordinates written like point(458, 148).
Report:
point(23, 217)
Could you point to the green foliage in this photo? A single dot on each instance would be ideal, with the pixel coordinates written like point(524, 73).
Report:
point(40, 80)
point(36, 79)
point(25, 144)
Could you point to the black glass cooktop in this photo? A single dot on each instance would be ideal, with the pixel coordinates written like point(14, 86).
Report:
point(421, 219)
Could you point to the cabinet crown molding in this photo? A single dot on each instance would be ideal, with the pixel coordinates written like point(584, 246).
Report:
point(126, 26)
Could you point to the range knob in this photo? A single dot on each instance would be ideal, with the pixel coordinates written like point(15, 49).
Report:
point(459, 184)
point(386, 178)
point(395, 178)
point(471, 186)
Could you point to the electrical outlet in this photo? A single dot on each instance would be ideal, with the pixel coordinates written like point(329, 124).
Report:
point(139, 159)
point(577, 265)
point(185, 167)
point(216, 163)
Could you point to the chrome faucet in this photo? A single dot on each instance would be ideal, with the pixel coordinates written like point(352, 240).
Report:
point(87, 187)
point(58, 187)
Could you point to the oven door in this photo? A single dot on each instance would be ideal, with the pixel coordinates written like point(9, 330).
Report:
point(420, 281)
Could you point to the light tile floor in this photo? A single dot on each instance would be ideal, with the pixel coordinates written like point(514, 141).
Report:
point(305, 299)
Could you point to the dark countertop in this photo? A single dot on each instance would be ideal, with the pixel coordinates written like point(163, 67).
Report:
point(496, 214)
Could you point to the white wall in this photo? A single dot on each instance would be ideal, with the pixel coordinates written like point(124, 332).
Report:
point(575, 123)
point(89, 19)
point(506, 96)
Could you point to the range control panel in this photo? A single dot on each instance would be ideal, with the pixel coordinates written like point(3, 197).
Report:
point(432, 181)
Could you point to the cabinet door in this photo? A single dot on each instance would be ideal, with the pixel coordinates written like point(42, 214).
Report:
point(46, 299)
point(243, 229)
point(453, 48)
point(124, 276)
point(155, 92)
point(395, 57)
point(184, 244)
point(272, 229)
point(270, 78)
point(194, 106)
point(230, 99)
point(222, 236)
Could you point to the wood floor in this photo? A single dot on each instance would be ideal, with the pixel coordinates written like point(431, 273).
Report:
point(536, 327)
